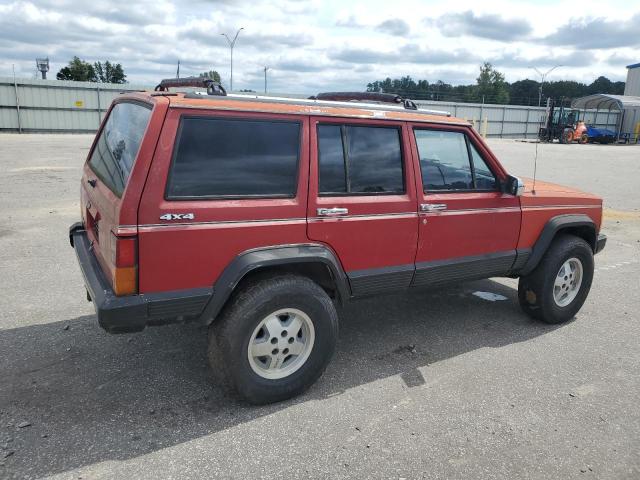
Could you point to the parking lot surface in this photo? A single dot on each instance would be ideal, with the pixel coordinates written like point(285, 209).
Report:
point(450, 383)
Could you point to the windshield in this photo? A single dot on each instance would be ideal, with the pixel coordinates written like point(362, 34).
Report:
point(112, 158)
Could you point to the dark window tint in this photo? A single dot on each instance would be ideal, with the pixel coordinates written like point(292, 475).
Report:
point(116, 150)
point(375, 159)
point(222, 157)
point(371, 163)
point(485, 179)
point(444, 160)
point(449, 162)
point(333, 177)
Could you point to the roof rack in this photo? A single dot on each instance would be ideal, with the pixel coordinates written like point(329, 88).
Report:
point(367, 97)
point(253, 97)
point(213, 87)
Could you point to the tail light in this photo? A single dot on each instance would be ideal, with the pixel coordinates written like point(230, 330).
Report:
point(124, 257)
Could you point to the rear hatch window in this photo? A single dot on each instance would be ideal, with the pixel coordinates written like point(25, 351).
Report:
point(113, 156)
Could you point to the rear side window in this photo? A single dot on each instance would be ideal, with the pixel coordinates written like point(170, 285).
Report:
point(234, 158)
point(359, 160)
point(117, 147)
point(450, 162)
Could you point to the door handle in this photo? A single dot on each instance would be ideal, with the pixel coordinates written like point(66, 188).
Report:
point(332, 212)
point(432, 207)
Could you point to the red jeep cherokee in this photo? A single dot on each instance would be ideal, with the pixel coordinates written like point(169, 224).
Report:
point(258, 215)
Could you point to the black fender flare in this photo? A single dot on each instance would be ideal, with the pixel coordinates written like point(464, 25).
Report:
point(549, 231)
point(272, 256)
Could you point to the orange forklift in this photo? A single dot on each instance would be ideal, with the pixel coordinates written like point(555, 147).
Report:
point(562, 123)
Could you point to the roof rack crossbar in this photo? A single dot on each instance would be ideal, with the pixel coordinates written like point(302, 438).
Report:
point(366, 96)
point(213, 87)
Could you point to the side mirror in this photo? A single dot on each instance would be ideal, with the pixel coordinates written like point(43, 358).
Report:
point(513, 186)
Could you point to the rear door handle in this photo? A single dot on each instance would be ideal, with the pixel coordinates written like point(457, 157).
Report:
point(432, 207)
point(332, 212)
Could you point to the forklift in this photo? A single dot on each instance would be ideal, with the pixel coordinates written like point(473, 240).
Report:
point(562, 123)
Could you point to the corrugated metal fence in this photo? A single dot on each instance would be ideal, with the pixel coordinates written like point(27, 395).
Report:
point(512, 121)
point(62, 106)
point(54, 105)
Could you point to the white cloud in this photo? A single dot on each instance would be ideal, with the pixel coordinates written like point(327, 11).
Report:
point(313, 45)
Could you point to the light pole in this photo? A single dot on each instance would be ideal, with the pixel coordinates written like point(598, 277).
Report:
point(232, 43)
point(542, 77)
point(265, 79)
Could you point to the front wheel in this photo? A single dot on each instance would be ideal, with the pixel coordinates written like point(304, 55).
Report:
point(274, 339)
point(567, 136)
point(558, 287)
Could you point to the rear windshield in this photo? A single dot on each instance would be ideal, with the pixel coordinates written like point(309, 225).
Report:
point(112, 158)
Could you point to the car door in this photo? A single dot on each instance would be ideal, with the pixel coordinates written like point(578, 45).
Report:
point(362, 200)
point(468, 228)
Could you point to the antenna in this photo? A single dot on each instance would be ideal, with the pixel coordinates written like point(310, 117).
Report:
point(535, 168)
point(535, 160)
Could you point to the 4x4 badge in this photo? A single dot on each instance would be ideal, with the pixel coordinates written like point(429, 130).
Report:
point(177, 216)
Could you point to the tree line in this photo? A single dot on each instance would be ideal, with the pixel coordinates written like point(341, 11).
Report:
point(79, 70)
point(491, 87)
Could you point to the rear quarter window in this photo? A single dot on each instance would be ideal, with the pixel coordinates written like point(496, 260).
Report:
point(222, 158)
point(115, 152)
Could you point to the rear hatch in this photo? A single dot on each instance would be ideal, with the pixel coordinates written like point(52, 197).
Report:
point(112, 182)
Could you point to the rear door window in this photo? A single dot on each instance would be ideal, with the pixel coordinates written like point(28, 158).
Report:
point(115, 152)
point(221, 158)
point(359, 160)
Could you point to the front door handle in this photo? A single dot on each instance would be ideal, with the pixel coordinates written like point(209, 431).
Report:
point(432, 207)
point(332, 212)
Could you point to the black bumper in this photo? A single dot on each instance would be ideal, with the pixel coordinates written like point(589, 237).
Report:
point(134, 312)
point(600, 242)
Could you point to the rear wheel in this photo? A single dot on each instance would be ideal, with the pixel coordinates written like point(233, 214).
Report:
point(274, 339)
point(558, 287)
point(584, 139)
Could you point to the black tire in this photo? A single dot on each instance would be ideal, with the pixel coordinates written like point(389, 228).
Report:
point(535, 291)
point(230, 334)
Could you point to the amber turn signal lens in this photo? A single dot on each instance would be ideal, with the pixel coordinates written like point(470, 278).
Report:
point(125, 281)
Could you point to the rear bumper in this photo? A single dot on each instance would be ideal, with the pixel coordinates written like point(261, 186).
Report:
point(134, 312)
point(600, 242)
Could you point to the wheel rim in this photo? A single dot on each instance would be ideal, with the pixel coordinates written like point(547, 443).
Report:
point(281, 343)
point(567, 283)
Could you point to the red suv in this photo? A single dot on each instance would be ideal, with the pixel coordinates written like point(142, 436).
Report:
point(258, 216)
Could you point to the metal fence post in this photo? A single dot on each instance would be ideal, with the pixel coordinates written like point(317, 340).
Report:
point(526, 125)
point(504, 111)
point(15, 86)
point(99, 109)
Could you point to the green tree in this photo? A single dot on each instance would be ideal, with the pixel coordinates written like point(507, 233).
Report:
point(108, 72)
point(212, 74)
point(78, 71)
point(491, 85)
point(524, 92)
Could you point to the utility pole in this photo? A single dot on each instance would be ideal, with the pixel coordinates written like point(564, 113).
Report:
point(542, 77)
point(232, 43)
point(265, 79)
point(178, 71)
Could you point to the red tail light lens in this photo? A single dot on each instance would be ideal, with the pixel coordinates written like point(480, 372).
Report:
point(125, 259)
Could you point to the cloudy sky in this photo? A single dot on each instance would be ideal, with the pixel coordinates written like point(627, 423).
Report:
point(313, 45)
